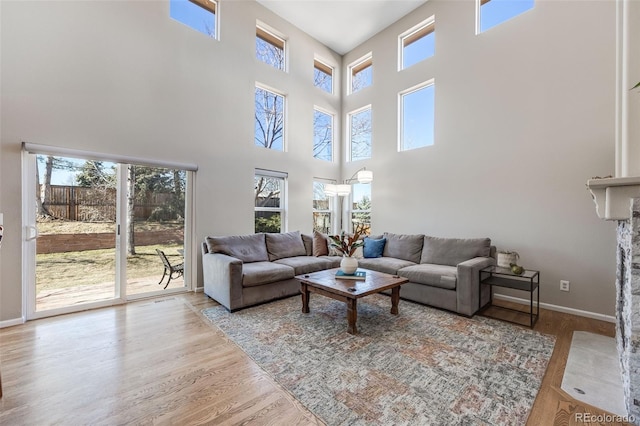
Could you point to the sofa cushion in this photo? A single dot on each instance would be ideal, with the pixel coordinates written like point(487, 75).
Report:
point(407, 247)
point(334, 261)
point(442, 276)
point(373, 248)
point(389, 265)
point(260, 273)
point(320, 244)
point(248, 248)
point(305, 264)
point(284, 245)
point(451, 251)
point(307, 240)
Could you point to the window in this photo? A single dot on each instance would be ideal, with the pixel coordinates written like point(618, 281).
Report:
point(494, 12)
point(361, 208)
point(360, 134)
point(322, 76)
point(270, 201)
point(361, 73)
point(417, 116)
point(418, 43)
point(322, 209)
point(269, 128)
point(198, 14)
point(270, 48)
point(322, 135)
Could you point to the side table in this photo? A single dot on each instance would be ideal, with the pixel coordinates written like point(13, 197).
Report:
point(529, 281)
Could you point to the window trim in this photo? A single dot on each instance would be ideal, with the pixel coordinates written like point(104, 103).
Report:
point(333, 132)
point(269, 35)
point(283, 199)
point(210, 6)
point(284, 114)
point(414, 34)
point(357, 66)
point(401, 95)
point(480, 3)
point(349, 156)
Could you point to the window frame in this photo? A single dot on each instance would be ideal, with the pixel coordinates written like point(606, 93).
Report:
point(414, 34)
point(269, 35)
point(349, 145)
point(401, 95)
point(480, 3)
point(358, 66)
point(322, 66)
point(331, 210)
point(283, 198)
point(284, 115)
point(333, 132)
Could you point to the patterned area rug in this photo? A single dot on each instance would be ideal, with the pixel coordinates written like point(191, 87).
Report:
point(422, 367)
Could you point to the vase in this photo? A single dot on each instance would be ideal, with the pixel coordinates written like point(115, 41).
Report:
point(349, 265)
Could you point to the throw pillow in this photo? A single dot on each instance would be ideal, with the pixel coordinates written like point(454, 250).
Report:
point(373, 248)
point(284, 245)
point(320, 244)
point(403, 246)
point(248, 248)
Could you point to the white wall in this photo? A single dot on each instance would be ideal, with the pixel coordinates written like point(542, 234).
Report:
point(524, 116)
point(122, 77)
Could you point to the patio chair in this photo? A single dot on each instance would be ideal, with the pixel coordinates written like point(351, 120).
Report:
point(173, 271)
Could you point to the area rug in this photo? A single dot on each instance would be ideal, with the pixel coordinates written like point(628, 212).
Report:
point(422, 367)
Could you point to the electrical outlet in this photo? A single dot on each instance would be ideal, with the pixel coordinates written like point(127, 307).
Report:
point(564, 285)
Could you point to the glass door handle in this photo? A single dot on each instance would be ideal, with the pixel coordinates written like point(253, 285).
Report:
point(32, 233)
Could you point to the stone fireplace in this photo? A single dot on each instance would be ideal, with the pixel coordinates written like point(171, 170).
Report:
point(618, 198)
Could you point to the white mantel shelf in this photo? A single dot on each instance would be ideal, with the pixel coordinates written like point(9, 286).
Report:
point(613, 196)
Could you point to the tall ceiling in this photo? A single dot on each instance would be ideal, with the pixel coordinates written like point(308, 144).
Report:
point(341, 24)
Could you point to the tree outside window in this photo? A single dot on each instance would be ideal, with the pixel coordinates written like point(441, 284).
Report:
point(269, 119)
point(269, 203)
point(197, 14)
point(322, 135)
point(360, 134)
point(361, 208)
point(322, 209)
point(270, 49)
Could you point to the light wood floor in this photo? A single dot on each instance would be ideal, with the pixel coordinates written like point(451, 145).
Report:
point(160, 362)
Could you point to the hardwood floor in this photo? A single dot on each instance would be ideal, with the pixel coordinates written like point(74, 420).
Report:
point(159, 361)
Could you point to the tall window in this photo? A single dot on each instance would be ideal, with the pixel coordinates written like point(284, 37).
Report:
point(361, 208)
point(494, 12)
point(360, 134)
point(323, 76)
point(322, 135)
point(418, 43)
point(269, 117)
point(322, 209)
point(270, 201)
point(270, 48)
point(198, 14)
point(417, 116)
point(361, 73)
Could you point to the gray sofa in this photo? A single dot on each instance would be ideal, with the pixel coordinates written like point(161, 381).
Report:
point(241, 271)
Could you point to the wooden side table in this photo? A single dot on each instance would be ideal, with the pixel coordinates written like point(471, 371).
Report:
point(529, 281)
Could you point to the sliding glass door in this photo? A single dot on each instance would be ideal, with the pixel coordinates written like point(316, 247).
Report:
point(100, 232)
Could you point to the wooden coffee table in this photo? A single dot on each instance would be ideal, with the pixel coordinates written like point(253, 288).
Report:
point(349, 291)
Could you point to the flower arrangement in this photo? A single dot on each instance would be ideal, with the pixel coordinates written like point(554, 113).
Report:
point(346, 244)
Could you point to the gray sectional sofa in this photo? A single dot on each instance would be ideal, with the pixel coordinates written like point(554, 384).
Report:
point(241, 271)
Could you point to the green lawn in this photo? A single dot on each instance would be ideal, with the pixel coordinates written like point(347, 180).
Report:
point(61, 270)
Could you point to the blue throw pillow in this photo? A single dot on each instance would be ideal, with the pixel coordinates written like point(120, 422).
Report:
point(373, 248)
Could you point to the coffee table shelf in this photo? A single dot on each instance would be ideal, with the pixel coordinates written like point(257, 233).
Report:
point(529, 281)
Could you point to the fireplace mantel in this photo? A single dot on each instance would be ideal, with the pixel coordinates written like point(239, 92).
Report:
point(612, 196)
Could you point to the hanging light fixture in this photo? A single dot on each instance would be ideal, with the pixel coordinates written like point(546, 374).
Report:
point(343, 189)
point(365, 176)
point(330, 189)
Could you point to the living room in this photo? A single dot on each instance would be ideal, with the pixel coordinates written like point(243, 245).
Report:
point(524, 115)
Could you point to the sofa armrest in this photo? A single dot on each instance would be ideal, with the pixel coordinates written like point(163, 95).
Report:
point(467, 290)
point(222, 276)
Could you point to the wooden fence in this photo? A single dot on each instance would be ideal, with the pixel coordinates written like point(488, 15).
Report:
point(96, 204)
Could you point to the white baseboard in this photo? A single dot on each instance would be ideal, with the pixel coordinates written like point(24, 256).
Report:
point(199, 290)
point(12, 322)
point(579, 312)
